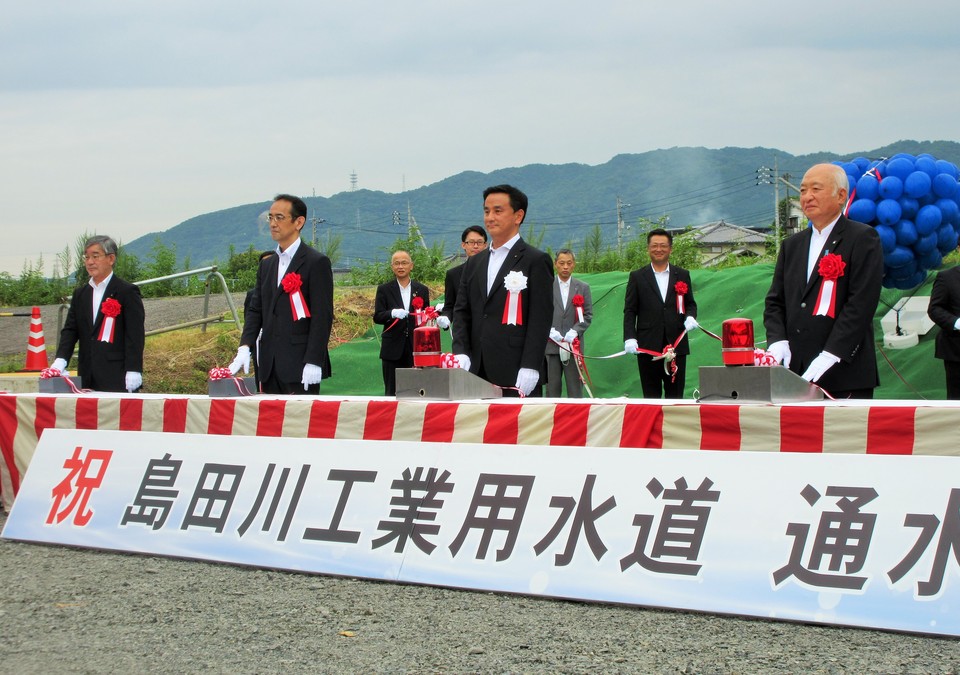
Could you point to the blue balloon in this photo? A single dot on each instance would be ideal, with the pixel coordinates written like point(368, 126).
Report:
point(947, 239)
point(945, 186)
point(851, 168)
point(899, 166)
point(909, 207)
point(862, 210)
point(927, 164)
point(925, 245)
point(910, 282)
point(899, 257)
point(948, 208)
point(906, 233)
point(931, 260)
point(868, 187)
point(888, 238)
point(862, 164)
point(889, 211)
point(943, 166)
point(917, 184)
point(928, 219)
point(891, 187)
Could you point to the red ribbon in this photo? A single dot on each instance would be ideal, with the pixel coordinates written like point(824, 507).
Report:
point(830, 269)
point(292, 283)
point(577, 301)
point(111, 310)
point(681, 289)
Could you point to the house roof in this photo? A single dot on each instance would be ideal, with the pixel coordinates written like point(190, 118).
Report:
point(721, 232)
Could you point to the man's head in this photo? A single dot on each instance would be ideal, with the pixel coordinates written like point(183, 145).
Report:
point(504, 208)
point(99, 257)
point(402, 264)
point(473, 240)
point(823, 193)
point(564, 263)
point(659, 246)
point(287, 216)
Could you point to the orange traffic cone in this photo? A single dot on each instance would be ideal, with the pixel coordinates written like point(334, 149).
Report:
point(36, 349)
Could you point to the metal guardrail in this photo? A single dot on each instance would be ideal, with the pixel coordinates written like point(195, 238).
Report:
point(211, 273)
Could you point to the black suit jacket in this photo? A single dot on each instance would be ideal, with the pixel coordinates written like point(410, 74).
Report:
point(103, 365)
point(792, 299)
point(287, 345)
point(451, 284)
point(478, 328)
point(649, 319)
point(388, 298)
point(944, 310)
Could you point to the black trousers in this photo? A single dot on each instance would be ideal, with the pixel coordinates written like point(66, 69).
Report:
point(656, 382)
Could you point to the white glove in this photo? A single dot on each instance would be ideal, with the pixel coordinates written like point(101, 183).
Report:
point(819, 366)
point(443, 322)
point(311, 375)
point(527, 379)
point(242, 360)
point(570, 336)
point(555, 335)
point(690, 323)
point(60, 366)
point(133, 381)
point(631, 346)
point(463, 361)
point(399, 313)
point(781, 352)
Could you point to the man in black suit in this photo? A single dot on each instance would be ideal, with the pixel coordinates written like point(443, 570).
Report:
point(826, 286)
point(501, 320)
point(944, 310)
point(246, 309)
point(657, 308)
point(106, 318)
point(472, 241)
point(292, 304)
point(393, 309)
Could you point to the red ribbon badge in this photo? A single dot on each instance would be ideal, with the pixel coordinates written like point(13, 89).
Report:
point(417, 304)
point(831, 268)
point(681, 289)
point(111, 310)
point(291, 283)
point(577, 301)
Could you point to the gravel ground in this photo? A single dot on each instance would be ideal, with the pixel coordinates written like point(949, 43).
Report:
point(81, 611)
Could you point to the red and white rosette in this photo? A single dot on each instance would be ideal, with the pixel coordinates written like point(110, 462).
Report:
point(292, 283)
point(830, 268)
point(417, 303)
point(111, 310)
point(514, 282)
point(448, 361)
point(681, 289)
point(761, 357)
point(577, 301)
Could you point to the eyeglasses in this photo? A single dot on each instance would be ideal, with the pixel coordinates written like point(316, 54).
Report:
point(475, 242)
point(278, 217)
point(94, 256)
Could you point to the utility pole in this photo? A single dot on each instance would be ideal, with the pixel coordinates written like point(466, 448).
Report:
point(620, 224)
point(316, 221)
point(765, 177)
point(413, 229)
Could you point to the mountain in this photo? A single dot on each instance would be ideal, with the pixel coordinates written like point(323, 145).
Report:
point(690, 186)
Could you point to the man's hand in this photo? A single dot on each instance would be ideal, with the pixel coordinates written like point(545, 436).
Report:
point(399, 313)
point(555, 335)
point(631, 346)
point(527, 379)
point(819, 366)
point(690, 323)
point(242, 360)
point(463, 361)
point(780, 350)
point(133, 381)
point(570, 336)
point(443, 322)
point(60, 366)
point(311, 375)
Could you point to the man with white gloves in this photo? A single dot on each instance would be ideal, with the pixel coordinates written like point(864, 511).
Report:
point(106, 317)
point(292, 304)
point(572, 314)
point(393, 309)
point(826, 286)
point(657, 307)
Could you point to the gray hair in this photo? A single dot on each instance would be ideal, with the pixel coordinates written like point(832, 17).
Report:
point(567, 251)
point(108, 245)
point(840, 176)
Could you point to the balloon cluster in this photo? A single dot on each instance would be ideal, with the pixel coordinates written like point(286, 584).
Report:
point(913, 204)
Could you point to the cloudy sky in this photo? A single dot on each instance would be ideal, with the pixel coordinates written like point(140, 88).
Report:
point(126, 117)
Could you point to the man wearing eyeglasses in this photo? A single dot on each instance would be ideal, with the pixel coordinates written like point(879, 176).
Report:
point(106, 318)
point(393, 308)
point(473, 240)
point(292, 304)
